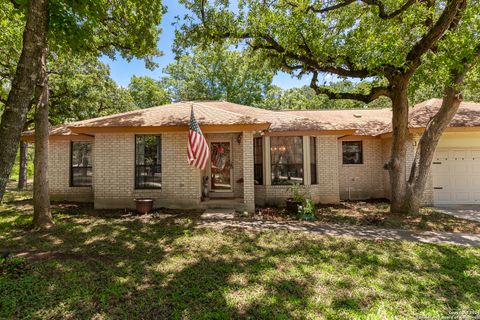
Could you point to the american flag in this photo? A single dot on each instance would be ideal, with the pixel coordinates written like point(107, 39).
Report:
point(198, 151)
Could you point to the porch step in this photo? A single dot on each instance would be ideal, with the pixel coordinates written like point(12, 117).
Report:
point(230, 203)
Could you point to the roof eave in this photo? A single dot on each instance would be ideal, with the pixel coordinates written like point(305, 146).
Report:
point(310, 133)
point(171, 128)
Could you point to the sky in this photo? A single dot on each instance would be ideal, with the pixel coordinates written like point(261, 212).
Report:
point(121, 70)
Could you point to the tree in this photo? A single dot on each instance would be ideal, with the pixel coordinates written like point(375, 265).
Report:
point(218, 73)
point(147, 92)
point(383, 42)
point(21, 93)
point(305, 98)
point(81, 88)
point(93, 27)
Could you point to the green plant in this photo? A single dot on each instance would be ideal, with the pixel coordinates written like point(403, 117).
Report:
point(307, 211)
point(296, 193)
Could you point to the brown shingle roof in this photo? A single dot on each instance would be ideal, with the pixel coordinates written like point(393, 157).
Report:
point(280, 121)
point(468, 114)
point(171, 115)
point(60, 130)
point(364, 121)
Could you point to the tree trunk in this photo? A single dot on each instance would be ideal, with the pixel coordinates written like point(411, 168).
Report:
point(22, 173)
point(433, 132)
point(42, 217)
point(23, 85)
point(396, 166)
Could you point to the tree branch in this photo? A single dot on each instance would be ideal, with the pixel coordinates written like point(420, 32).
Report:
point(374, 93)
point(383, 14)
point(310, 62)
point(448, 17)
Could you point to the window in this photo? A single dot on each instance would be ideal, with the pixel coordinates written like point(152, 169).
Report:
point(313, 160)
point(148, 162)
point(80, 164)
point(287, 160)
point(352, 152)
point(258, 160)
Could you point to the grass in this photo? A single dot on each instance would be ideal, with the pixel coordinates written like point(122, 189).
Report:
point(110, 265)
point(376, 214)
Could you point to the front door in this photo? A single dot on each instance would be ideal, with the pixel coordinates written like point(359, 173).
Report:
point(221, 166)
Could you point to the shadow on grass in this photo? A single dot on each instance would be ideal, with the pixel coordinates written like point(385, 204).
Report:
point(163, 266)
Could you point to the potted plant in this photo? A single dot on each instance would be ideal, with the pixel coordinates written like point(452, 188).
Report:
point(144, 205)
point(294, 203)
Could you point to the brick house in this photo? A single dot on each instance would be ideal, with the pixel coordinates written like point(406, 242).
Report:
point(256, 155)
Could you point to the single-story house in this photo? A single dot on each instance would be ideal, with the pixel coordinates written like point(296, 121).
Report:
point(256, 155)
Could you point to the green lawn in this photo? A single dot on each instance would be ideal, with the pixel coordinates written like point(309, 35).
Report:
point(103, 265)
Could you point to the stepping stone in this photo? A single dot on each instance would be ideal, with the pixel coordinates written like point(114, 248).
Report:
point(218, 214)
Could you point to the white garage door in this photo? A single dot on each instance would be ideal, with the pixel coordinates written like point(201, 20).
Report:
point(456, 176)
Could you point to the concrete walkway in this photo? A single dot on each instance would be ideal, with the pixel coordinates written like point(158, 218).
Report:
point(463, 211)
point(343, 230)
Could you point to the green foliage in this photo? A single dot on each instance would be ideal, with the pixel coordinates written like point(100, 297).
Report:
point(81, 88)
point(96, 27)
point(305, 98)
point(354, 40)
point(16, 165)
point(12, 23)
point(147, 92)
point(296, 192)
point(93, 266)
point(308, 210)
point(13, 266)
point(218, 73)
point(79, 32)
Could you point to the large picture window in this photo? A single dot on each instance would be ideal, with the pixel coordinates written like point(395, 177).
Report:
point(287, 160)
point(258, 160)
point(80, 164)
point(148, 162)
point(313, 160)
point(352, 152)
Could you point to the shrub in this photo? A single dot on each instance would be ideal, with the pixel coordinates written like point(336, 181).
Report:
point(307, 212)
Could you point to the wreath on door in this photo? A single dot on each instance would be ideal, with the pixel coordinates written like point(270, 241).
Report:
point(219, 158)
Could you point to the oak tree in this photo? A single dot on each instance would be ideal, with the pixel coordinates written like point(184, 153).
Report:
point(76, 27)
point(384, 42)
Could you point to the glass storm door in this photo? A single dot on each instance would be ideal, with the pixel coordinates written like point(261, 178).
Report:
point(221, 168)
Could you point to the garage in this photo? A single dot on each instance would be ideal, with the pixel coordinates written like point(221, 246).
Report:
point(456, 176)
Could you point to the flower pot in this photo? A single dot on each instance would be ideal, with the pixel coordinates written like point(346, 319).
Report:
point(144, 205)
point(292, 205)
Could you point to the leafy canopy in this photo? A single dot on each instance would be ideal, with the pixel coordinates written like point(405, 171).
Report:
point(372, 40)
point(147, 92)
point(130, 27)
point(218, 73)
point(81, 88)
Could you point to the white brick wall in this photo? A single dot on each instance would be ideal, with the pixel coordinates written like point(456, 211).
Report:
point(113, 171)
point(248, 180)
point(363, 181)
point(114, 167)
point(59, 175)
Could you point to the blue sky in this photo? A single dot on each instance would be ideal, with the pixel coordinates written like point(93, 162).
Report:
point(121, 70)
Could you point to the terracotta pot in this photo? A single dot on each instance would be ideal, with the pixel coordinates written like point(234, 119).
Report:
point(292, 205)
point(144, 205)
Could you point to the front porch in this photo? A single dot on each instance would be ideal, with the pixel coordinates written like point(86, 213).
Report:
point(228, 181)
